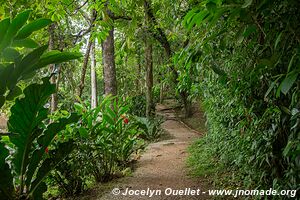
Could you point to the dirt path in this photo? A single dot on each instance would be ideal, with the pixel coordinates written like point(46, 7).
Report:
point(162, 166)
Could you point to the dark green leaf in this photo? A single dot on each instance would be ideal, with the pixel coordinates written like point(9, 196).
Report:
point(198, 19)
point(5, 76)
point(249, 30)
point(27, 63)
point(26, 116)
point(278, 40)
point(50, 163)
point(288, 82)
point(6, 180)
point(2, 100)
point(16, 91)
point(4, 24)
point(45, 140)
point(54, 57)
point(10, 54)
point(291, 63)
point(38, 193)
point(211, 7)
point(247, 3)
point(83, 132)
point(108, 119)
point(218, 71)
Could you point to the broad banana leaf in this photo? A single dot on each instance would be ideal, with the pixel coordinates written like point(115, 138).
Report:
point(26, 116)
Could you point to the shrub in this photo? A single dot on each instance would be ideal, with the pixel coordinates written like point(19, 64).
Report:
point(150, 127)
point(137, 105)
point(30, 159)
point(246, 58)
point(25, 159)
point(105, 142)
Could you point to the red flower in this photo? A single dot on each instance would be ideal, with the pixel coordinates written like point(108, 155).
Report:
point(126, 120)
point(46, 150)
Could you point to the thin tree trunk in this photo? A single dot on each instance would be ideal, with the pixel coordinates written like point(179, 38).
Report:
point(161, 37)
point(108, 53)
point(149, 67)
point(149, 79)
point(84, 66)
point(93, 78)
point(138, 80)
point(86, 56)
point(52, 68)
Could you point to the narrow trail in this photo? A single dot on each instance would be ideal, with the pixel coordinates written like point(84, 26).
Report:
point(162, 165)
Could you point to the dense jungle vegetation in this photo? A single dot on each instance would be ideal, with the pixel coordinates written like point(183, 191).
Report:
point(79, 81)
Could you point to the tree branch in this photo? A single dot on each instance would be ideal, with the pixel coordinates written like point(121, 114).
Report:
point(156, 31)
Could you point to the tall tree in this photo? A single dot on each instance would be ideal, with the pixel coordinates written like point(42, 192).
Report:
point(157, 32)
point(148, 64)
point(84, 66)
point(87, 54)
point(93, 78)
point(108, 54)
point(52, 68)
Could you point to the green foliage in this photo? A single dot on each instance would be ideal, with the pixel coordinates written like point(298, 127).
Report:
point(105, 143)
point(150, 126)
point(137, 105)
point(249, 82)
point(25, 166)
point(16, 66)
point(114, 136)
point(31, 137)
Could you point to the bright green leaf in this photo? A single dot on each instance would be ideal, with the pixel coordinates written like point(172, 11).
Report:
point(27, 42)
point(28, 29)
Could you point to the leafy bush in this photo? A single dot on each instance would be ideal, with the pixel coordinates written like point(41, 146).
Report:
point(113, 138)
point(246, 55)
point(28, 163)
point(137, 105)
point(23, 163)
point(150, 126)
point(105, 142)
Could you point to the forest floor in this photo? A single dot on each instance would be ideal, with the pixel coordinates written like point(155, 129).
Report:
point(161, 166)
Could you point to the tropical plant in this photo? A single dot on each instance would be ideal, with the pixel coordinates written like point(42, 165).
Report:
point(25, 166)
point(105, 142)
point(112, 138)
point(16, 66)
point(23, 162)
point(150, 127)
point(137, 105)
point(246, 54)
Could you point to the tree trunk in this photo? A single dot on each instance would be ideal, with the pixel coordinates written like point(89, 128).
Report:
point(52, 68)
point(161, 37)
point(149, 67)
point(87, 55)
point(149, 78)
point(108, 54)
point(93, 78)
point(84, 66)
point(138, 80)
